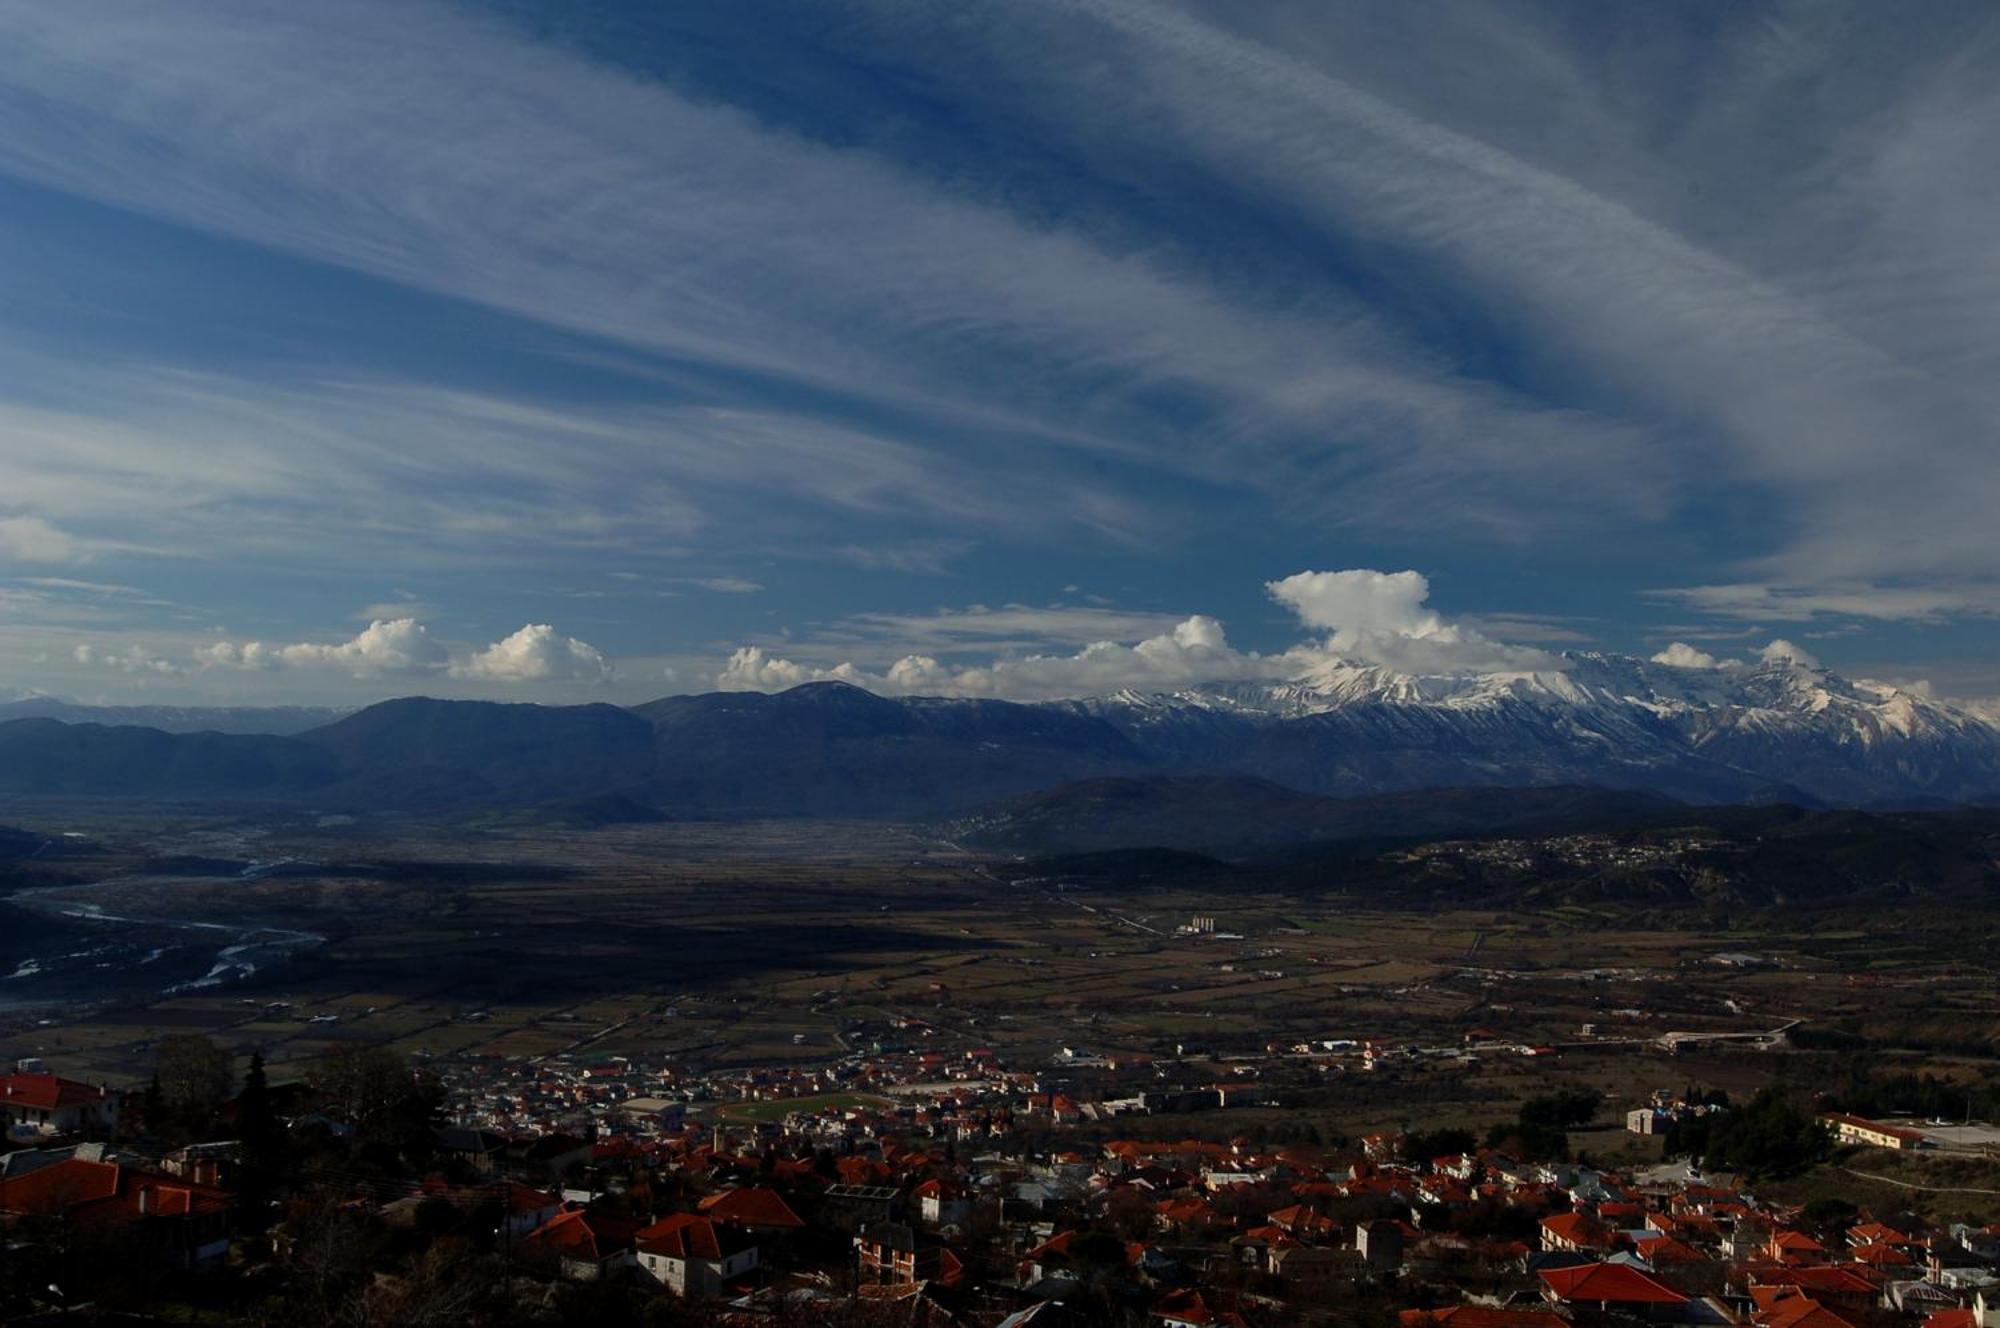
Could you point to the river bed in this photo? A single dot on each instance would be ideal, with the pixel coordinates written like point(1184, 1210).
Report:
point(131, 938)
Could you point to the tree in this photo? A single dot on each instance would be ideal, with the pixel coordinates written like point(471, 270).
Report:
point(195, 1077)
point(153, 1104)
point(394, 1111)
point(1569, 1107)
point(256, 1126)
point(1425, 1145)
point(1768, 1138)
point(263, 1155)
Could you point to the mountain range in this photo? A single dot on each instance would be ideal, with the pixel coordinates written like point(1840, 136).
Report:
point(1779, 732)
point(174, 719)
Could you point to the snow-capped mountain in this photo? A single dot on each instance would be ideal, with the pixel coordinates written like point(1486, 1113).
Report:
point(1774, 730)
point(1780, 732)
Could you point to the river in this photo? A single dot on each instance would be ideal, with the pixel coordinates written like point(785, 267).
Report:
point(128, 938)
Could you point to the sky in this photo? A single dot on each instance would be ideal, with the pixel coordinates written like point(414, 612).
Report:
point(600, 350)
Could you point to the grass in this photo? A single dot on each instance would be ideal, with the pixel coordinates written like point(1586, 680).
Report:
point(780, 1108)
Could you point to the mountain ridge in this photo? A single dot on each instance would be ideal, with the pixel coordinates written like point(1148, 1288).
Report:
point(1780, 732)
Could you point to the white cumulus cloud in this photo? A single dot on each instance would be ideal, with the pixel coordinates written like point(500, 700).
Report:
point(387, 646)
point(1781, 651)
point(1368, 617)
point(752, 669)
point(132, 659)
point(537, 653)
point(1681, 655)
point(1380, 618)
point(1194, 650)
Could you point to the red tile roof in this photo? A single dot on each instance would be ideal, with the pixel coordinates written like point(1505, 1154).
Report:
point(106, 1192)
point(690, 1236)
point(1609, 1284)
point(751, 1206)
point(45, 1092)
point(1481, 1316)
point(1800, 1312)
point(584, 1235)
point(1577, 1229)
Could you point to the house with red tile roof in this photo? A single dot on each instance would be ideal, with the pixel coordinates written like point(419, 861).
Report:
point(1481, 1316)
point(1792, 1309)
point(1874, 1134)
point(1574, 1233)
point(1845, 1286)
point(184, 1224)
point(585, 1245)
point(1189, 1308)
point(1606, 1287)
point(1796, 1247)
point(941, 1203)
point(690, 1255)
point(1953, 1318)
point(41, 1103)
point(891, 1253)
point(753, 1208)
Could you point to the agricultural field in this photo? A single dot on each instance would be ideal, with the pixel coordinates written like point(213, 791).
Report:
point(731, 945)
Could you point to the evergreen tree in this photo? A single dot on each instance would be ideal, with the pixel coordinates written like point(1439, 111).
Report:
point(153, 1104)
point(257, 1130)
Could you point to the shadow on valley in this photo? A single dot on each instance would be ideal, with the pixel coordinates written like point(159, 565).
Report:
point(548, 963)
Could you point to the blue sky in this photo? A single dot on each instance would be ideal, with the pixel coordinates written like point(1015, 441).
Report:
point(561, 351)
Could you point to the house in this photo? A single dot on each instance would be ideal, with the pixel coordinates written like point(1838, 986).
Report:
point(586, 1246)
point(1611, 1288)
point(549, 1154)
point(753, 1208)
point(691, 1255)
point(1795, 1247)
point(1844, 1287)
point(1855, 1130)
point(1048, 1314)
point(1313, 1267)
point(527, 1208)
point(479, 1149)
point(942, 1204)
point(1574, 1232)
point(895, 1252)
point(1380, 1245)
point(1052, 1258)
point(40, 1103)
point(1480, 1316)
point(1191, 1309)
point(181, 1223)
point(1648, 1120)
point(1792, 1309)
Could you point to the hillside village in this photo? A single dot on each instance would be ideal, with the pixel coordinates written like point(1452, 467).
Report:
point(936, 1187)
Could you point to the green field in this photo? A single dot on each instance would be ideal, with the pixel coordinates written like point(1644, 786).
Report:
point(783, 1107)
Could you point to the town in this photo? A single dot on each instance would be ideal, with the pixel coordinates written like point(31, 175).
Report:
point(918, 1180)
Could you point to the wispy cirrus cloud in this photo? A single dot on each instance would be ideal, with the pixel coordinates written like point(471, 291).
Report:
point(203, 463)
point(1405, 284)
point(569, 191)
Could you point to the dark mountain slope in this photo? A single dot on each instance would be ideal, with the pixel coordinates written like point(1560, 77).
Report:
point(46, 757)
point(1715, 857)
point(1236, 816)
point(429, 752)
point(828, 749)
point(283, 721)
